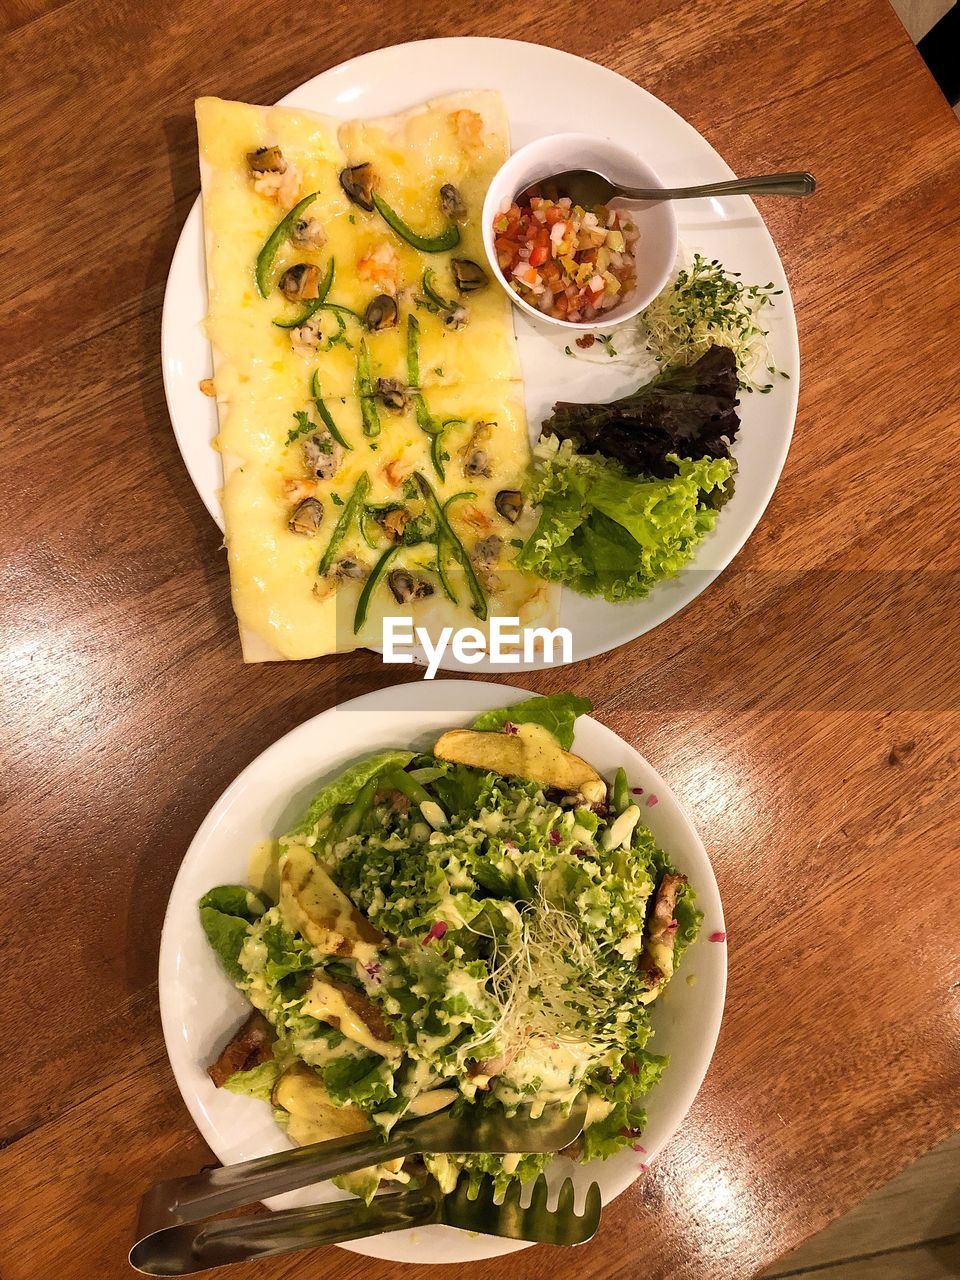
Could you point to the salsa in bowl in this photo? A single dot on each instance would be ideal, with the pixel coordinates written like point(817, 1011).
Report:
point(570, 265)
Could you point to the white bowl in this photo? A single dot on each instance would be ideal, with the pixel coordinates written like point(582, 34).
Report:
point(656, 250)
point(200, 1006)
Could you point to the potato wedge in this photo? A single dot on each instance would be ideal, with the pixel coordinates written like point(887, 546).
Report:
point(248, 1047)
point(313, 1115)
point(532, 752)
point(314, 906)
point(352, 1013)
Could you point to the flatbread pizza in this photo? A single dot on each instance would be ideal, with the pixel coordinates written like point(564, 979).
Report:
point(372, 428)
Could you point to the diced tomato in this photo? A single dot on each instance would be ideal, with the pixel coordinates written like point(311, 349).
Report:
point(550, 256)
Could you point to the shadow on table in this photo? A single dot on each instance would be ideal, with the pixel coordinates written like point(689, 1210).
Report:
point(197, 789)
point(206, 540)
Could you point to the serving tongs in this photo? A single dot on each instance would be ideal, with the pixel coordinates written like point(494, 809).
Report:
point(171, 1243)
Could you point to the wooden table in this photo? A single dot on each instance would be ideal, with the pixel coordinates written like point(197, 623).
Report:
point(804, 708)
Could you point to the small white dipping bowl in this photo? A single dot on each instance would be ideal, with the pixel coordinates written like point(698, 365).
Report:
point(656, 250)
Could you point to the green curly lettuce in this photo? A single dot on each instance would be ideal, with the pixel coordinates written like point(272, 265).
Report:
point(603, 532)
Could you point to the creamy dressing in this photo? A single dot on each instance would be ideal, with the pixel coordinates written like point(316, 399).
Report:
point(325, 1003)
point(263, 870)
point(554, 1067)
point(314, 1117)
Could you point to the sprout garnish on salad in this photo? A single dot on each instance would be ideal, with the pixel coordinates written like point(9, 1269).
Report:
point(485, 924)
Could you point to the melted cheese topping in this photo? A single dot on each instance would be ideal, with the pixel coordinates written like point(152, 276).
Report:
point(262, 380)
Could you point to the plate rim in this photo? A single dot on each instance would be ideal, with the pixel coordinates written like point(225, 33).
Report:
point(764, 487)
point(499, 694)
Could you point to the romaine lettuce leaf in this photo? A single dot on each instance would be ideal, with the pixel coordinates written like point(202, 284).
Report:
point(366, 1080)
point(557, 712)
point(346, 788)
point(258, 1082)
point(226, 914)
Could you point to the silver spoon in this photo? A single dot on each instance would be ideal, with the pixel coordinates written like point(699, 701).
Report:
point(586, 187)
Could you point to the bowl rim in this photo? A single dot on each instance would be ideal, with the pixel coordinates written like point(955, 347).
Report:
point(486, 230)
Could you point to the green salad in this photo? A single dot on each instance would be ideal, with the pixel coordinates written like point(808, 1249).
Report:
point(487, 924)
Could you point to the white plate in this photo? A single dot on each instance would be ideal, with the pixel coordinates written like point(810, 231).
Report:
point(200, 1007)
point(546, 91)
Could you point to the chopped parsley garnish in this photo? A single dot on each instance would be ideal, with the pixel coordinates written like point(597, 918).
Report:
point(303, 427)
point(336, 499)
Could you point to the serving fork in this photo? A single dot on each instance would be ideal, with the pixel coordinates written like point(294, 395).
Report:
point(173, 1240)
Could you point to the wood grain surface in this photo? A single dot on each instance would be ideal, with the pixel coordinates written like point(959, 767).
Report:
point(805, 708)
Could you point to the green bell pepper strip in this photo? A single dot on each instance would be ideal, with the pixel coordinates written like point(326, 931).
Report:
point(339, 308)
point(360, 491)
point(370, 416)
point(400, 781)
point(426, 284)
point(267, 255)
point(413, 351)
point(372, 543)
point(349, 824)
point(449, 238)
point(436, 454)
point(456, 546)
point(368, 404)
point(436, 445)
point(325, 416)
point(621, 793)
point(313, 305)
point(364, 376)
point(448, 590)
point(425, 420)
point(371, 584)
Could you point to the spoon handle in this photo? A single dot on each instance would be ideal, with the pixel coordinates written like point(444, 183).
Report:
point(770, 184)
